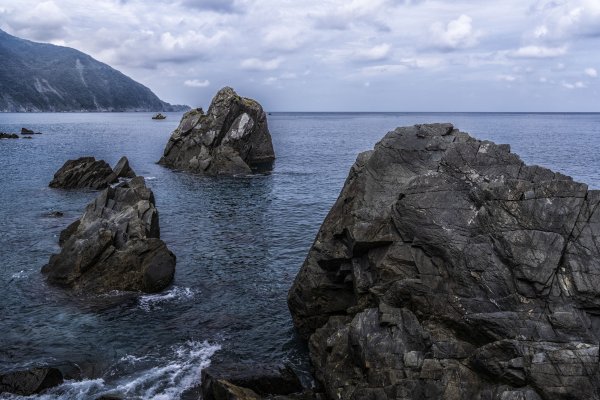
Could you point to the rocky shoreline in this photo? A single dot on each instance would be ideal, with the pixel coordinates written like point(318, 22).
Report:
point(446, 269)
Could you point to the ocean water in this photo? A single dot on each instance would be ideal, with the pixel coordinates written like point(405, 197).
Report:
point(239, 241)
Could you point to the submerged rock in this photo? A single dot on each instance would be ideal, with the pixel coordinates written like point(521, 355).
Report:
point(31, 381)
point(87, 173)
point(448, 269)
point(254, 381)
point(115, 245)
point(232, 138)
point(8, 136)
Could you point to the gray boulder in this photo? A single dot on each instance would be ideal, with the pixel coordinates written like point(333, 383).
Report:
point(449, 269)
point(87, 173)
point(231, 138)
point(115, 245)
point(31, 381)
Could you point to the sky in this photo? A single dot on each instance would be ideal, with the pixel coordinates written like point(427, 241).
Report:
point(335, 55)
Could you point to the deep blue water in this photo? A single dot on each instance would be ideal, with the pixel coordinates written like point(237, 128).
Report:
point(239, 241)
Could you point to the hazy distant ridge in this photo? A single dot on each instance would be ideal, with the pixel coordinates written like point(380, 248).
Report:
point(45, 77)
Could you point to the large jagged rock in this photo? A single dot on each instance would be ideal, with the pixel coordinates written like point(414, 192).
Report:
point(87, 173)
point(448, 269)
point(232, 138)
point(31, 381)
point(115, 245)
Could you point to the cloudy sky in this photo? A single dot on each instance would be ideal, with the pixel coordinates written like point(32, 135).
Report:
point(336, 55)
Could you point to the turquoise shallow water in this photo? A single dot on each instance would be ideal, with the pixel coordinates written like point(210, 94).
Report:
point(239, 241)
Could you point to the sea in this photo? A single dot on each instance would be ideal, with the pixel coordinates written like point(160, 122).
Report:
point(239, 241)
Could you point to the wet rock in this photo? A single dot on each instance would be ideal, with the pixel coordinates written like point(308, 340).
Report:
point(32, 381)
point(239, 381)
point(54, 214)
point(25, 131)
point(115, 245)
point(8, 136)
point(449, 269)
point(231, 138)
point(87, 172)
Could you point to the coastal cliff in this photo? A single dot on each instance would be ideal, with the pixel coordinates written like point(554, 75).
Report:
point(36, 77)
point(449, 269)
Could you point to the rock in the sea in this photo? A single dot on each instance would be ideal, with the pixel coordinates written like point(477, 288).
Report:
point(89, 173)
point(8, 136)
point(449, 269)
point(240, 381)
point(29, 382)
point(231, 138)
point(115, 245)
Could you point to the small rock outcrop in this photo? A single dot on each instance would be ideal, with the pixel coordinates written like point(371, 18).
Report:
point(8, 135)
point(115, 245)
point(25, 131)
point(29, 382)
point(231, 138)
point(449, 269)
point(255, 381)
point(89, 173)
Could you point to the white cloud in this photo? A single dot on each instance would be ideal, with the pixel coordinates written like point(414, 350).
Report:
point(574, 85)
point(458, 33)
point(376, 53)
point(591, 72)
point(539, 52)
point(256, 64)
point(506, 78)
point(197, 83)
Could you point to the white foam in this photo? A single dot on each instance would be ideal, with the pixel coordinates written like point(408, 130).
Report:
point(166, 380)
point(19, 275)
point(175, 294)
point(150, 178)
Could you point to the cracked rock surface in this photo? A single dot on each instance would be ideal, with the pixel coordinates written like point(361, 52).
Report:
point(449, 269)
point(231, 138)
point(115, 245)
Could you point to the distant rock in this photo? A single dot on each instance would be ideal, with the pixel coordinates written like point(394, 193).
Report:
point(449, 269)
point(232, 138)
point(25, 131)
point(241, 381)
point(115, 245)
point(159, 116)
point(29, 382)
point(41, 77)
point(87, 173)
point(8, 136)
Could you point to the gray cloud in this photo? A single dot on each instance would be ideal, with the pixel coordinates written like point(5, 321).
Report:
point(336, 54)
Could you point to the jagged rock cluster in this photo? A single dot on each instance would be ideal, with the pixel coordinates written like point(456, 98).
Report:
point(8, 135)
point(231, 138)
point(115, 245)
point(448, 269)
point(87, 173)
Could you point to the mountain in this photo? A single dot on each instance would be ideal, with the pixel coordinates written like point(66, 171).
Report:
point(44, 77)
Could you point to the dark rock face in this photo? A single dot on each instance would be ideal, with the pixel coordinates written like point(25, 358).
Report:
point(8, 136)
point(87, 173)
point(25, 131)
point(115, 245)
point(232, 138)
point(241, 381)
point(448, 269)
point(32, 381)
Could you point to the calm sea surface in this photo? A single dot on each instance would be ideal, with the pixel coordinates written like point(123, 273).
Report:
point(239, 241)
